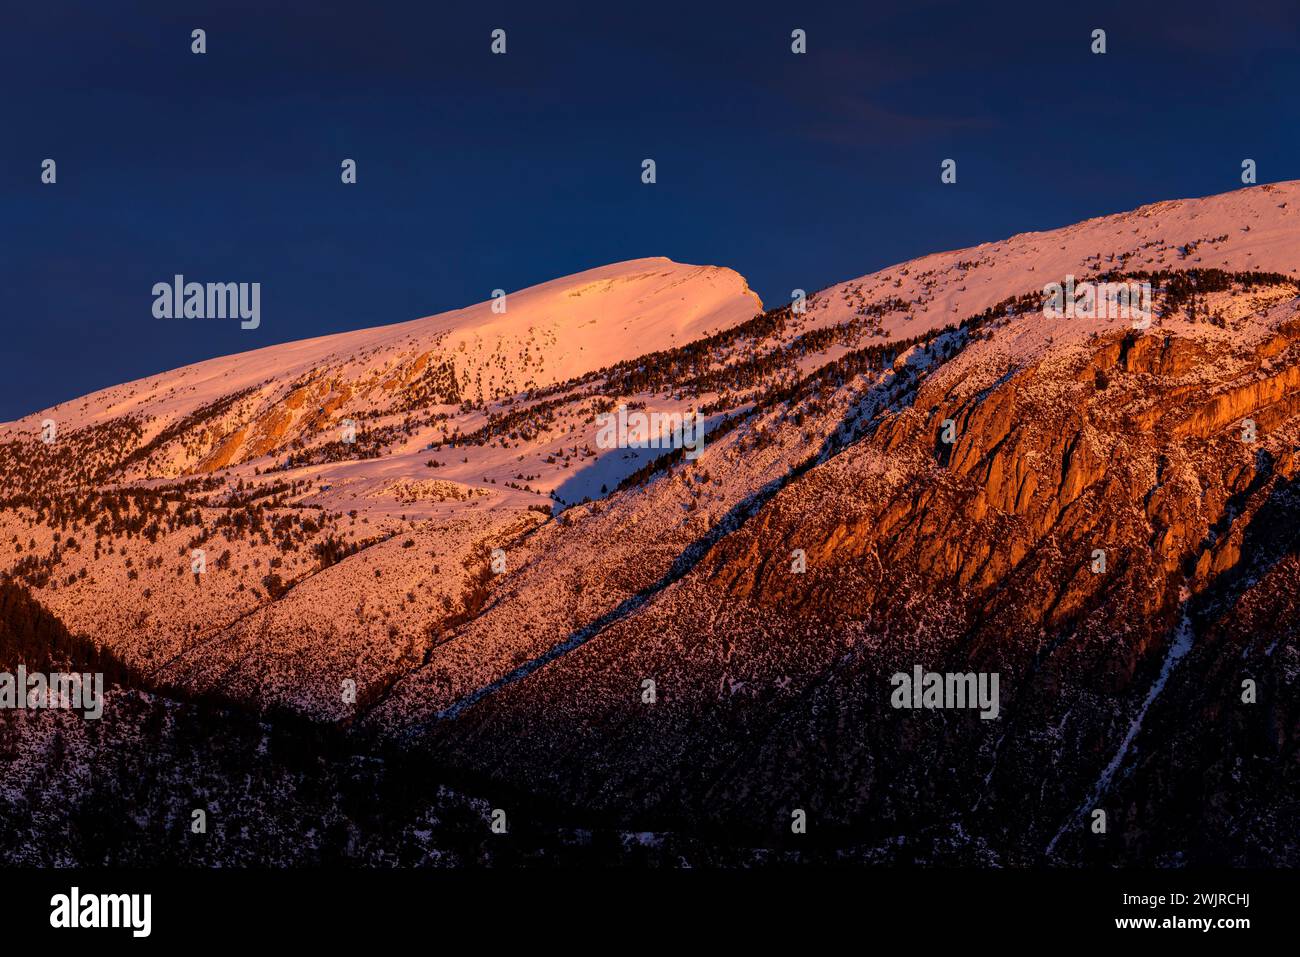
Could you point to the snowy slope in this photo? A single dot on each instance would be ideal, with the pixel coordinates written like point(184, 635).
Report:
point(545, 334)
point(1256, 229)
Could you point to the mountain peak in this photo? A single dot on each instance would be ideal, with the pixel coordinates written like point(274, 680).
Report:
point(494, 349)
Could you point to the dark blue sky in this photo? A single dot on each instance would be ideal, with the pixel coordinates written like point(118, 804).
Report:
point(480, 171)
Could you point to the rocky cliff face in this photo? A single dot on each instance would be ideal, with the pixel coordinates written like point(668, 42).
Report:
point(1108, 531)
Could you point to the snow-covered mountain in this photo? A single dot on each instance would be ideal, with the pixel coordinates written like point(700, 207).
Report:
point(921, 468)
point(226, 411)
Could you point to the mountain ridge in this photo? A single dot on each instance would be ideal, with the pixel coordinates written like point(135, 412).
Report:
point(498, 587)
